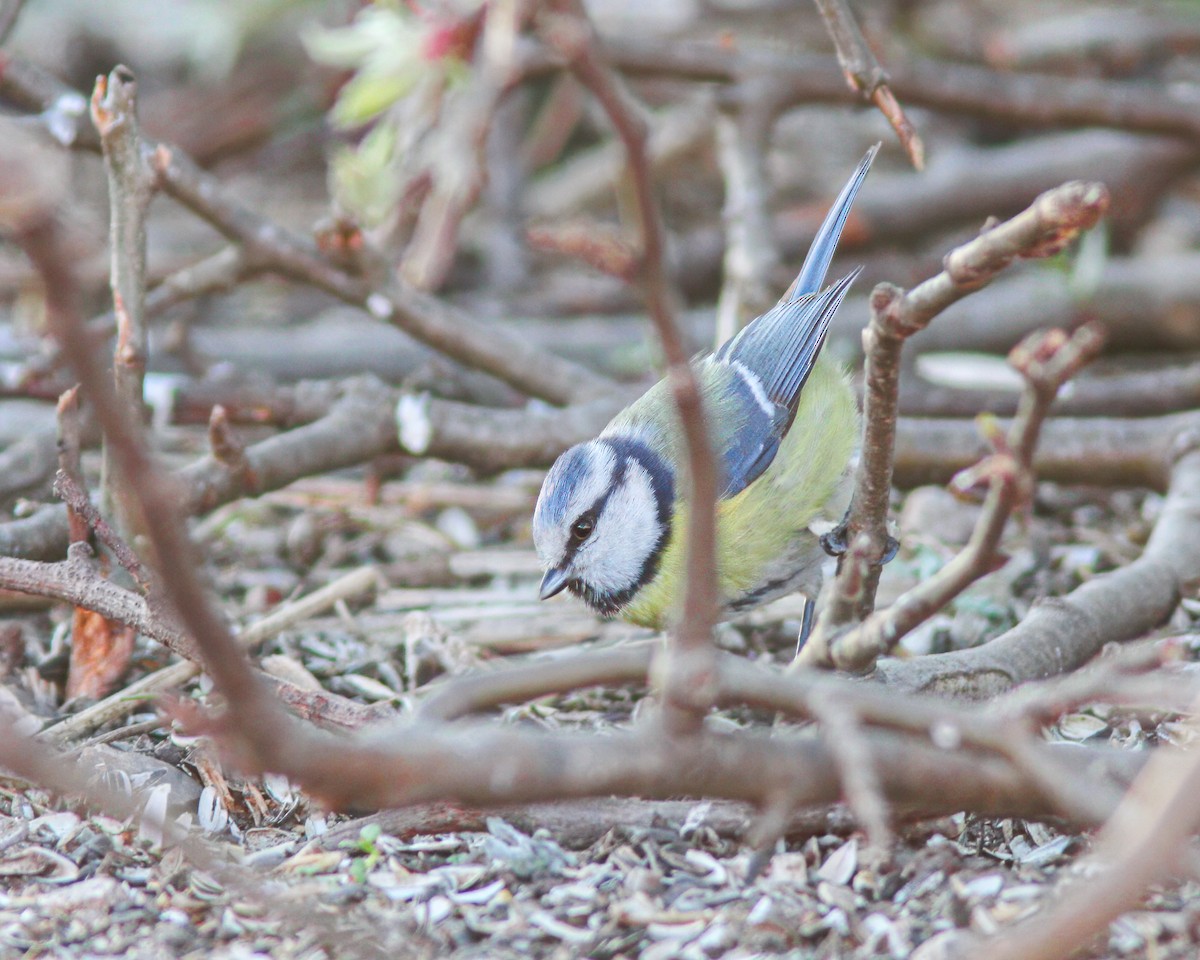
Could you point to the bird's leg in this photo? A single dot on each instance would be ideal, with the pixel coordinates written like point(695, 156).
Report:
point(806, 623)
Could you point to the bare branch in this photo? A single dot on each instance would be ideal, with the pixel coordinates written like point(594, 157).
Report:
point(77, 581)
point(131, 185)
point(865, 76)
point(1141, 844)
point(1045, 227)
point(268, 247)
point(750, 252)
point(1046, 361)
point(1061, 634)
point(689, 682)
point(80, 506)
point(955, 88)
point(1116, 452)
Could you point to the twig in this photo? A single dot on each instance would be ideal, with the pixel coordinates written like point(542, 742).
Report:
point(1008, 731)
point(269, 247)
point(228, 449)
point(472, 693)
point(955, 88)
point(460, 142)
point(578, 824)
point(80, 506)
point(1134, 393)
point(131, 186)
point(1051, 222)
point(1061, 634)
point(689, 681)
point(750, 252)
point(1141, 844)
point(866, 77)
point(69, 437)
point(1107, 677)
point(77, 581)
point(551, 129)
point(582, 180)
point(1109, 452)
point(9, 14)
point(1046, 361)
point(843, 731)
point(357, 427)
point(124, 701)
point(600, 246)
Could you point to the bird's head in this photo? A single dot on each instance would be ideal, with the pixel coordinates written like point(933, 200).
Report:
point(602, 521)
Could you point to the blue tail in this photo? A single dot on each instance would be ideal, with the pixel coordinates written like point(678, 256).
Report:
point(816, 264)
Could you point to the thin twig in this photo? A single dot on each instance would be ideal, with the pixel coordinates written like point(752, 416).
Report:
point(461, 139)
point(79, 505)
point(865, 76)
point(689, 681)
point(1046, 361)
point(125, 701)
point(131, 185)
point(750, 252)
point(1141, 844)
point(1050, 222)
point(10, 13)
point(843, 731)
point(69, 435)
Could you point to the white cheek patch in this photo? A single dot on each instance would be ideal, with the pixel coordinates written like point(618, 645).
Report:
point(626, 534)
point(576, 481)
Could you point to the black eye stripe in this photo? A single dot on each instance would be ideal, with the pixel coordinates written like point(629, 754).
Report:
point(597, 507)
point(662, 482)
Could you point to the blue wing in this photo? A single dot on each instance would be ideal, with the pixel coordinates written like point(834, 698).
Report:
point(769, 361)
point(767, 365)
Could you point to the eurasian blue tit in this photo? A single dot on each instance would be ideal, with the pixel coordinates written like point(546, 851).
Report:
point(610, 521)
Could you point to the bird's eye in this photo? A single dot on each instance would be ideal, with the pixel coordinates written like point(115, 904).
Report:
point(582, 528)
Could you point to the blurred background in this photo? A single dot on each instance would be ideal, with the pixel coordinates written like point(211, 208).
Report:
point(496, 183)
point(313, 111)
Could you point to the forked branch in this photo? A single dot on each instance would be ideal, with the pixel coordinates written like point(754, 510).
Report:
point(1051, 222)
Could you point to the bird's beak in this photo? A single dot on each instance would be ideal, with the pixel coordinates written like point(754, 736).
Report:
point(553, 582)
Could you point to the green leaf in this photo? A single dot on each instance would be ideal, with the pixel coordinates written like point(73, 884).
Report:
point(378, 34)
point(367, 95)
point(364, 178)
point(370, 833)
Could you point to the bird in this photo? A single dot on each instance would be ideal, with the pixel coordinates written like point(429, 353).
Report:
point(610, 520)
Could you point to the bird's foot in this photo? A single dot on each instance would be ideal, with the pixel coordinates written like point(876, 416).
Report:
point(834, 542)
